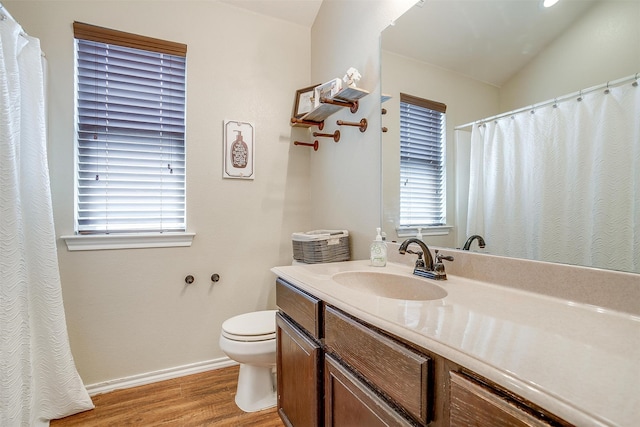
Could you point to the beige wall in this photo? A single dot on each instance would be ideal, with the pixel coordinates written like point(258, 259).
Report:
point(345, 177)
point(603, 45)
point(129, 311)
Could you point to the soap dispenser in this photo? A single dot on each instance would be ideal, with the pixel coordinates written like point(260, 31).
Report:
point(378, 251)
point(419, 233)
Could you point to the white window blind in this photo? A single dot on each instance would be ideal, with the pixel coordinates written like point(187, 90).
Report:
point(422, 162)
point(130, 136)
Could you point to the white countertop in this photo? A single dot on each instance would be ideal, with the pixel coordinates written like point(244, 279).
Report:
point(578, 361)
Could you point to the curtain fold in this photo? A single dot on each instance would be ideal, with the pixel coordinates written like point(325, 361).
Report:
point(561, 183)
point(38, 377)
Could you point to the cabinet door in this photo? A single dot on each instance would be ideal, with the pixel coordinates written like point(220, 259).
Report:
point(298, 360)
point(350, 403)
point(396, 371)
point(474, 404)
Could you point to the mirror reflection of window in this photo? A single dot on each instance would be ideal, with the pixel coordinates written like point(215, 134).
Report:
point(422, 162)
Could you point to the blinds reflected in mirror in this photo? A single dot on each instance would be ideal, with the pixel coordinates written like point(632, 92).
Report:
point(422, 162)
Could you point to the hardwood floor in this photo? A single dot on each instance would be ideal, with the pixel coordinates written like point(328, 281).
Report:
point(204, 399)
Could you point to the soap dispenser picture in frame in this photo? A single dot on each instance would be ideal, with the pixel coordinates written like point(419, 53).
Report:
point(238, 150)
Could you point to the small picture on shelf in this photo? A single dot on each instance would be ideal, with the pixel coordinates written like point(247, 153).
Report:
point(326, 90)
point(303, 102)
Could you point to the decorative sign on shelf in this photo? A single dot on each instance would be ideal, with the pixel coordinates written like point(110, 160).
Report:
point(238, 150)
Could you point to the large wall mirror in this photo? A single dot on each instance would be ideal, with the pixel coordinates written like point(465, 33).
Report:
point(485, 57)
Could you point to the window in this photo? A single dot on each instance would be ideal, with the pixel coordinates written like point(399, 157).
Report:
point(422, 162)
point(130, 132)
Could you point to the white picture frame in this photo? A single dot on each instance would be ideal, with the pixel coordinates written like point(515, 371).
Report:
point(239, 150)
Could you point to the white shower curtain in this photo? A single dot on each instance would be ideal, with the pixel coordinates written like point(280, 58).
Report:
point(38, 378)
point(561, 184)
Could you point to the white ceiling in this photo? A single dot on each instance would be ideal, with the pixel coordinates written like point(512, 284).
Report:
point(301, 12)
point(488, 40)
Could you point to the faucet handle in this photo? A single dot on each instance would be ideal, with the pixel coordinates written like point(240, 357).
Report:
point(439, 257)
point(419, 261)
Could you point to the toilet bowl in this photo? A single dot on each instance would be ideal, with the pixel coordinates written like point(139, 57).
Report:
point(250, 340)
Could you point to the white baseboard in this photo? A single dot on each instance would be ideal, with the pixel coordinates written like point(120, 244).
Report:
point(155, 376)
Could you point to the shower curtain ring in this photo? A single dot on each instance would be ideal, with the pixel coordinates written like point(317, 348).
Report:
point(635, 83)
point(606, 91)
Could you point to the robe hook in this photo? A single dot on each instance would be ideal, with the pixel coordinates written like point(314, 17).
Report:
point(306, 144)
point(335, 135)
point(362, 124)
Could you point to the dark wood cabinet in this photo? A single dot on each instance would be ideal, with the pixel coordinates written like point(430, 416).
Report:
point(473, 402)
point(351, 403)
point(395, 370)
point(299, 361)
point(337, 370)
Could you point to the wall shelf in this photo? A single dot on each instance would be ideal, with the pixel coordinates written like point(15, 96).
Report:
point(346, 98)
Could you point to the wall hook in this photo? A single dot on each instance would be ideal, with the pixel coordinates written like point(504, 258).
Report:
point(215, 277)
point(306, 144)
point(362, 125)
point(189, 279)
point(335, 135)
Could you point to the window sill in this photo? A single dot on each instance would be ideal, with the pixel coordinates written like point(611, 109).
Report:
point(440, 230)
point(127, 241)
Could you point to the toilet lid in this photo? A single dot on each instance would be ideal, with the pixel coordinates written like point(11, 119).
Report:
point(255, 326)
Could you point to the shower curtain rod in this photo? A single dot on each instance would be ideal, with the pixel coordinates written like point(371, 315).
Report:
point(578, 94)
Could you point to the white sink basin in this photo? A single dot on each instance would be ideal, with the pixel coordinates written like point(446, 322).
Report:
point(390, 285)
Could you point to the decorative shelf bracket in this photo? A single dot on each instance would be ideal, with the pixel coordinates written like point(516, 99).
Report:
point(335, 135)
point(315, 145)
point(353, 105)
point(307, 123)
point(362, 124)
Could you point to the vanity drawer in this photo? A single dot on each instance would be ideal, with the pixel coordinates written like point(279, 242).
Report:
point(400, 373)
point(303, 308)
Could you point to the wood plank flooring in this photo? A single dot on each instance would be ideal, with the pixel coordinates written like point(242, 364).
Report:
point(205, 399)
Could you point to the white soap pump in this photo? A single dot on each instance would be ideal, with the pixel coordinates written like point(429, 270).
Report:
point(378, 251)
point(419, 234)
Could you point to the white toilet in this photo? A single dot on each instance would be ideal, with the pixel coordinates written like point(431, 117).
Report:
point(250, 339)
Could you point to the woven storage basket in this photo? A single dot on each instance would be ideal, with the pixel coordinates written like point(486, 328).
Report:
point(319, 246)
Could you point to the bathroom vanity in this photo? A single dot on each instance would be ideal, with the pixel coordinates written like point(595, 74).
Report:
point(359, 345)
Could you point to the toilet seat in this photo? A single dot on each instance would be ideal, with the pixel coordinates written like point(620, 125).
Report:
point(255, 326)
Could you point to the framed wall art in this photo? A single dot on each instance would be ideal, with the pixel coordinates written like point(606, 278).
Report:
point(303, 102)
point(239, 150)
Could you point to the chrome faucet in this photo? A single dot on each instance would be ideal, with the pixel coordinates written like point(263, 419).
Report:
point(425, 268)
point(470, 240)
